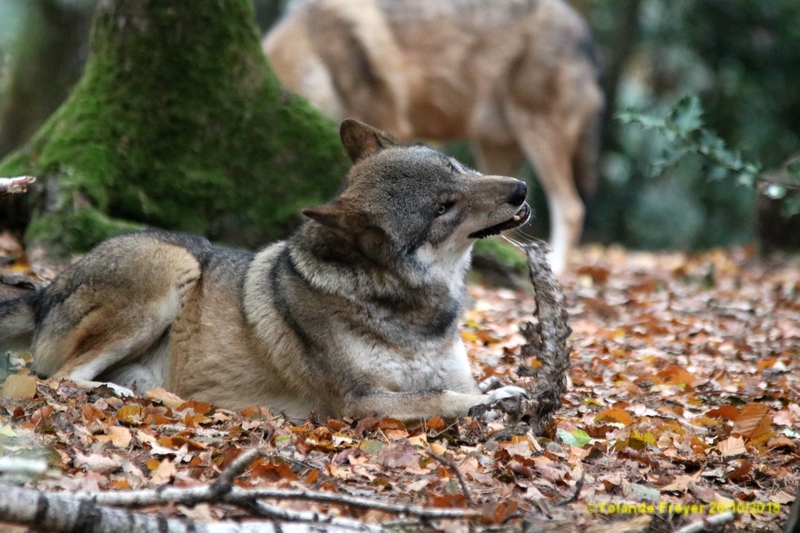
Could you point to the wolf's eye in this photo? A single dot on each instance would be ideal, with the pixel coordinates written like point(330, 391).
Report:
point(452, 167)
point(444, 208)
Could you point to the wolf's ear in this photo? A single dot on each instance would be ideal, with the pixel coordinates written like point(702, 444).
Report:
point(336, 215)
point(361, 140)
point(330, 215)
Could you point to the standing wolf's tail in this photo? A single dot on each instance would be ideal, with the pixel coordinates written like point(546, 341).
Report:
point(17, 321)
point(586, 158)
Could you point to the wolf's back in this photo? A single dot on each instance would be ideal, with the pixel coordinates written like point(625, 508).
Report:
point(17, 322)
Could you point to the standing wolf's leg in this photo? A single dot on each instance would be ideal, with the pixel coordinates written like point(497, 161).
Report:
point(550, 150)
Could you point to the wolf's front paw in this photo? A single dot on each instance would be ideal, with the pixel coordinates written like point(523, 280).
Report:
point(119, 390)
point(489, 384)
point(505, 392)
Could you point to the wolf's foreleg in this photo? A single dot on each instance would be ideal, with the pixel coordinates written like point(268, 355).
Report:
point(426, 404)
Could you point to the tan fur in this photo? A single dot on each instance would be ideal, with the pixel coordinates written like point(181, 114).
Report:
point(355, 314)
point(517, 77)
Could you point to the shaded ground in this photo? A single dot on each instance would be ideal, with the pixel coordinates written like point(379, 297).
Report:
point(685, 389)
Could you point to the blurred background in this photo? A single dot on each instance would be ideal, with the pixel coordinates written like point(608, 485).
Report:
point(740, 57)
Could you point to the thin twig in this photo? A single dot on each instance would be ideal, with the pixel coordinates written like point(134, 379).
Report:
point(707, 523)
point(454, 467)
point(287, 515)
point(224, 483)
point(577, 493)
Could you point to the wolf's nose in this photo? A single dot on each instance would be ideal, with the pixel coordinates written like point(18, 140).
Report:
point(519, 194)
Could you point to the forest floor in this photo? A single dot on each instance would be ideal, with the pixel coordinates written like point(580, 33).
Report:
point(683, 403)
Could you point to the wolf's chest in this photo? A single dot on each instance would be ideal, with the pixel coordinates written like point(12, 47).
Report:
point(437, 366)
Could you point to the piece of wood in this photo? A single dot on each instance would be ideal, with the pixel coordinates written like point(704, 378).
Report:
point(15, 185)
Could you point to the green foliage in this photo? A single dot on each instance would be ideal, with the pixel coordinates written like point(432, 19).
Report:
point(685, 132)
point(178, 122)
point(739, 58)
point(683, 127)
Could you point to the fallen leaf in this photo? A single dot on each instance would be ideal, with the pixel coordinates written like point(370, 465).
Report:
point(614, 414)
point(19, 387)
point(130, 414)
point(753, 421)
point(97, 463)
point(164, 473)
point(173, 401)
point(731, 446)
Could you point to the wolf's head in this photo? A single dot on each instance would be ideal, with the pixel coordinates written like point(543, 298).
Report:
point(415, 205)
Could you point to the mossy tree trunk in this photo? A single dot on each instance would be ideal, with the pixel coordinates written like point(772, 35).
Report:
point(177, 122)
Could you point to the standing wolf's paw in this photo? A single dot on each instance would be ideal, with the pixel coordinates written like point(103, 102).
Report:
point(505, 392)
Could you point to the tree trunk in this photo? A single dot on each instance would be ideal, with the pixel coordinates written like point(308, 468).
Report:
point(48, 62)
point(623, 44)
point(177, 122)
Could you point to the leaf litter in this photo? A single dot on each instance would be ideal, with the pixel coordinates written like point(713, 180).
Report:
point(684, 390)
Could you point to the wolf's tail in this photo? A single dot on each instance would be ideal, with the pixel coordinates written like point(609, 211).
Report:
point(585, 161)
point(17, 321)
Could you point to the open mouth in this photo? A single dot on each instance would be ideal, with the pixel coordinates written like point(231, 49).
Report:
point(518, 219)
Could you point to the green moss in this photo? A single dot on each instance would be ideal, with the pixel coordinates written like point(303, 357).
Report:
point(503, 252)
point(80, 229)
point(178, 122)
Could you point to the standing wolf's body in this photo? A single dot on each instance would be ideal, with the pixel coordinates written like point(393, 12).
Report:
point(520, 78)
point(356, 313)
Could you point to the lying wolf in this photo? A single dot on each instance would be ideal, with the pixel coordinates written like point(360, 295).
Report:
point(517, 77)
point(354, 314)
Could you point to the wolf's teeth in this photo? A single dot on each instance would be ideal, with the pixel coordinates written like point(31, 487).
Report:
point(517, 218)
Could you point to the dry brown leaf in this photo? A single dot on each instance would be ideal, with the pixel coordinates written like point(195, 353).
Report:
point(97, 463)
point(119, 436)
point(731, 446)
point(614, 414)
point(173, 401)
point(163, 473)
point(19, 387)
point(753, 421)
point(130, 414)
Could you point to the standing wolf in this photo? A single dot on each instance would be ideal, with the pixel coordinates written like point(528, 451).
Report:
point(354, 314)
point(517, 77)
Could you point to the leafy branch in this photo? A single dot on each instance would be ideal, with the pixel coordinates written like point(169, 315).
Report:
point(686, 133)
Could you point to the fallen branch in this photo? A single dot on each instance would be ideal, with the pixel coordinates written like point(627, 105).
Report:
point(57, 512)
point(62, 513)
point(32, 468)
point(15, 185)
point(793, 522)
point(224, 484)
point(285, 515)
point(243, 497)
point(547, 341)
point(707, 524)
